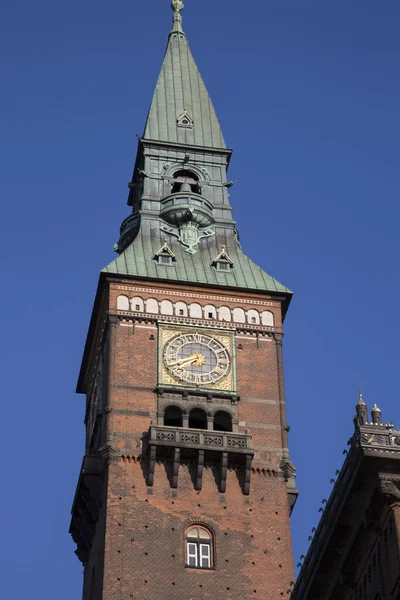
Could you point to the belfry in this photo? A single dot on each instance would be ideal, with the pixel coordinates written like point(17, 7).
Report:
point(187, 485)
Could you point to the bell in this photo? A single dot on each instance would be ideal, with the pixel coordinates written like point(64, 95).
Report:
point(186, 187)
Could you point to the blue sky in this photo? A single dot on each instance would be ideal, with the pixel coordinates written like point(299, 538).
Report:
point(308, 96)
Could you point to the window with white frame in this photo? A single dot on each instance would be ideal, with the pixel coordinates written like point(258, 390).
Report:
point(199, 548)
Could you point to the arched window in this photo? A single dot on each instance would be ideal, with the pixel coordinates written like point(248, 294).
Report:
point(173, 416)
point(199, 548)
point(222, 421)
point(122, 303)
point(166, 307)
point(181, 309)
point(185, 181)
point(198, 419)
point(253, 317)
point(152, 306)
point(195, 311)
point(267, 318)
point(210, 312)
point(224, 313)
point(238, 315)
point(137, 304)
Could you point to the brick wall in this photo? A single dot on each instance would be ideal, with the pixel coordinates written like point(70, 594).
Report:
point(144, 554)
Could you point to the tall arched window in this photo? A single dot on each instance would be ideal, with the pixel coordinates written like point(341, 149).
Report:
point(173, 416)
point(199, 548)
point(198, 419)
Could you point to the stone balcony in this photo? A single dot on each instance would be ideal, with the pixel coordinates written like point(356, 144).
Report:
point(181, 207)
point(179, 437)
point(172, 444)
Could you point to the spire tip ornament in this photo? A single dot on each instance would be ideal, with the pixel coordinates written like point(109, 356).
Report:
point(177, 6)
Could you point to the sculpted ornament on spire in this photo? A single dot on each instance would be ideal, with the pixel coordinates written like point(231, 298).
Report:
point(177, 6)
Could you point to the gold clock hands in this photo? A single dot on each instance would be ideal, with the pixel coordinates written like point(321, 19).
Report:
point(190, 359)
point(370, 439)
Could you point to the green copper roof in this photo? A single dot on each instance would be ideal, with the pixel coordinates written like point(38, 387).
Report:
point(138, 260)
point(180, 194)
point(181, 87)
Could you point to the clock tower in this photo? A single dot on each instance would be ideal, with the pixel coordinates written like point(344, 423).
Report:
point(186, 485)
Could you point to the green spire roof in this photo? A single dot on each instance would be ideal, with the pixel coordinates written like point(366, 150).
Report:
point(180, 89)
point(181, 194)
point(138, 260)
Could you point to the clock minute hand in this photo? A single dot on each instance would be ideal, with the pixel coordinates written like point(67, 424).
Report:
point(183, 361)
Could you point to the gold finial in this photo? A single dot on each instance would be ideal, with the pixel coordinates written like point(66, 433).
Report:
point(360, 399)
point(376, 409)
point(177, 5)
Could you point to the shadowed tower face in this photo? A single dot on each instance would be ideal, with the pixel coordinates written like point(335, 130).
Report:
point(186, 485)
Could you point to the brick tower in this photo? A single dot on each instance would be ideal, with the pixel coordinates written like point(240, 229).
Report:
point(186, 486)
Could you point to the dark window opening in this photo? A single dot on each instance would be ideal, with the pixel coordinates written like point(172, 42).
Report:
point(137, 306)
point(198, 419)
point(173, 416)
point(222, 421)
point(210, 315)
point(181, 312)
point(164, 259)
point(185, 181)
point(253, 320)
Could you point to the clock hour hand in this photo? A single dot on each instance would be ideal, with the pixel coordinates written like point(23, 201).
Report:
point(183, 361)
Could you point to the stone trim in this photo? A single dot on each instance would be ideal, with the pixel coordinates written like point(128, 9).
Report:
point(197, 295)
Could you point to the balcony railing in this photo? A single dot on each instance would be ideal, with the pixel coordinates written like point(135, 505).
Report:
point(179, 437)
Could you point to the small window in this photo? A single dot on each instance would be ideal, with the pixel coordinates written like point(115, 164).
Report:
point(137, 306)
point(253, 320)
point(210, 315)
point(165, 260)
point(199, 548)
point(223, 266)
point(181, 312)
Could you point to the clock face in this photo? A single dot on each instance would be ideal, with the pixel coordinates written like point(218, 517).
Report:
point(197, 358)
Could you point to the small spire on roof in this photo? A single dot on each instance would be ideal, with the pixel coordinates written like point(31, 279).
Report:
point(177, 6)
point(362, 411)
point(376, 414)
